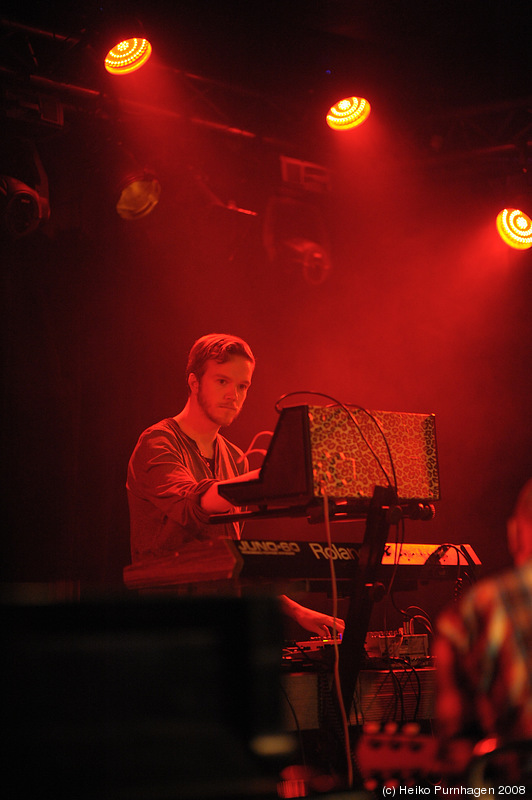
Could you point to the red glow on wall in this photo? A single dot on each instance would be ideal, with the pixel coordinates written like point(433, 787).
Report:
point(515, 228)
point(127, 56)
point(348, 113)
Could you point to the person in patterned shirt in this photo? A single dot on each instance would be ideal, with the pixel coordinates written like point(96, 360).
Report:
point(483, 648)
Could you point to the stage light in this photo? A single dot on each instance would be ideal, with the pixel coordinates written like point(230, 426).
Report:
point(127, 56)
point(122, 43)
point(22, 209)
point(296, 237)
point(24, 196)
point(138, 194)
point(312, 257)
point(515, 228)
point(348, 113)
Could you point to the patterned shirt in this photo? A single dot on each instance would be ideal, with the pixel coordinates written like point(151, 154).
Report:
point(484, 660)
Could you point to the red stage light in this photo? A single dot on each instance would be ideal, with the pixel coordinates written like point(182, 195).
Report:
point(138, 195)
point(348, 113)
point(515, 228)
point(127, 56)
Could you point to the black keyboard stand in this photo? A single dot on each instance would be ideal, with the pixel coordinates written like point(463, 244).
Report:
point(363, 588)
point(383, 512)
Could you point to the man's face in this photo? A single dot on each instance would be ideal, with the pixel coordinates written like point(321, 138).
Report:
point(222, 389)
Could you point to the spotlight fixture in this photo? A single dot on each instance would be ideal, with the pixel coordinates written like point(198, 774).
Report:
point(295, 236)
point(348, 113)
point(127, 56)
point(312, 257)
point(138, 194)
point(22, 208)
point(515, 228)
point(24, 199)
point(121, 42)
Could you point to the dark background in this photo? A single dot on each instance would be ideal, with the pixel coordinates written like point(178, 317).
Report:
point(424, 308)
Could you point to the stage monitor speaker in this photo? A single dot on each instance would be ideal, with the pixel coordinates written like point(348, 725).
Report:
point(142, 698)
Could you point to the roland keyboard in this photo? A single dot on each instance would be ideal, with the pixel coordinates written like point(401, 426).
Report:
point(258, 561)
point(265, 560)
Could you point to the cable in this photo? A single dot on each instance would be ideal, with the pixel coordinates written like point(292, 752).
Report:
point(341, 405)
point(425, 620)
point(399, 541)
point(422, 617)
point(398, 694)
point(296, 722)
point(252, 449)
point(435, 559)
point(407, 666)
point(336, 672)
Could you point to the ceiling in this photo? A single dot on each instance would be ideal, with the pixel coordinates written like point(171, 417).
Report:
point(256, 65)
point(471, 52)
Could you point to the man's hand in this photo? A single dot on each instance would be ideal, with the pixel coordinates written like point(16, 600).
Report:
point(313, 621)
point(213, 503)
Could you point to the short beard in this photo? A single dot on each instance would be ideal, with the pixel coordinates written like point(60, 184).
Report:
point(204, 407)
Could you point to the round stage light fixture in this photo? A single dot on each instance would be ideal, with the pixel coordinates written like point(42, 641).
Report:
point(22, 209)
point(138, 195)
point(515, 228)
point(348, 113)
point(127, 56)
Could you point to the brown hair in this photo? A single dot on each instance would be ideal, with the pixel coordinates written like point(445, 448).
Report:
point(219, 347)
